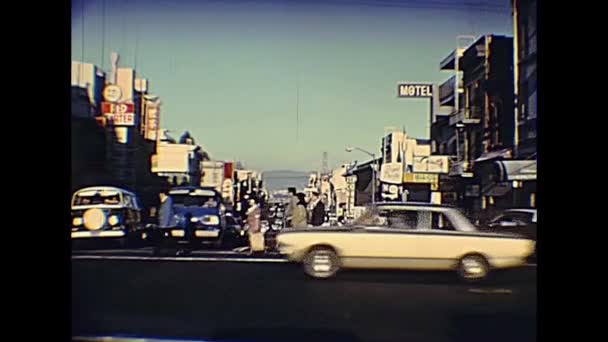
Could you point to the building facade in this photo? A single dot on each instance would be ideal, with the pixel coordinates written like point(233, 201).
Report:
point(524, 22)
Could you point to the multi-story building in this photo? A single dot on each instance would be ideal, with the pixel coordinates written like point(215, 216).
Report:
point(87, 136)
point(524, 25)
point(409, 172)
point(179, 163)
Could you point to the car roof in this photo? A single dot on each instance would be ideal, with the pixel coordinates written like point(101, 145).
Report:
point(104, 188)
point(412, 204)
point(530, 211)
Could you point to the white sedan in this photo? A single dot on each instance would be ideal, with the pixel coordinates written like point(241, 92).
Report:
point(405, 236)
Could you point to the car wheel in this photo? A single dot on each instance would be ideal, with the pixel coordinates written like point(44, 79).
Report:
point(321, 262)
point(473, 268)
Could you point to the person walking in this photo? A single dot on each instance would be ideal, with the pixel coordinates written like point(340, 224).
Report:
point(293, 202)
point(299, 218)
point(256, 237)
point(166, 220)
point(318, 211)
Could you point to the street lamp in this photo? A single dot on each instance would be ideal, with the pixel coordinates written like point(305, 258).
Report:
point(350, 149)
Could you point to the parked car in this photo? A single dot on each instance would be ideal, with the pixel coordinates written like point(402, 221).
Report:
point(417, 236)
point(522, 221)
point(200, 216)
point(108, 213)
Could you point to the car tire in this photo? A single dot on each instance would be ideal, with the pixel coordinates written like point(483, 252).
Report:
point(473, 268)
point(321, 263)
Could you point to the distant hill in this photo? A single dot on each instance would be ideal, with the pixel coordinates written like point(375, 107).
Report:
point(282, 179)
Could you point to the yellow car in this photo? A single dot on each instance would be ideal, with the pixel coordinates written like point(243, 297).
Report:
point(417, 236)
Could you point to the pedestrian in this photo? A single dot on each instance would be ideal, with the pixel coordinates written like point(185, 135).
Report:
point(165, 214)
point(293, 202)
point(256, 237)
point(318, 210)
point(166, 220)
point(299, 218)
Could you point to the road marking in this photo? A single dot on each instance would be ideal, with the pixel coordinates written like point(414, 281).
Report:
point(99, 257)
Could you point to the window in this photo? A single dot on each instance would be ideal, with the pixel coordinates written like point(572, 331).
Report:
point(441, 222)
point(403, 219)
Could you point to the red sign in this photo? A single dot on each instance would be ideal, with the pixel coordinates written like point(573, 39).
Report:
point(119, 114)
point(228, 170)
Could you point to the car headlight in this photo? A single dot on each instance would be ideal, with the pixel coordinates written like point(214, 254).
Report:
point(210, 220)
point(177, 233)
point(113, 220)
point(77, 221)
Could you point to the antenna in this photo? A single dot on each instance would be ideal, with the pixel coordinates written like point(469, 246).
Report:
point(114, 58)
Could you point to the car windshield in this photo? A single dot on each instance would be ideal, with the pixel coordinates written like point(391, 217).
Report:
point(195, 201)
point(97, 198)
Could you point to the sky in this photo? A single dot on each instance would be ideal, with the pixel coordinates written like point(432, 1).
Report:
point(275, 83)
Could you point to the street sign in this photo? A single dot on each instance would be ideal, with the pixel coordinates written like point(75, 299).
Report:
point(415, 90)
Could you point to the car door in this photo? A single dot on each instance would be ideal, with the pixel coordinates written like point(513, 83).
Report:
point(389, 244)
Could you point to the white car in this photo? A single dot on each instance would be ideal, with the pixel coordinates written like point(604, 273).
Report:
point(106, 212)
point(405, 236)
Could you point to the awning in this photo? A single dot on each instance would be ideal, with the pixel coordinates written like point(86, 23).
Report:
point(518, 170)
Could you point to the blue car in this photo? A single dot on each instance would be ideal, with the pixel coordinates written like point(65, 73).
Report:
point(200, 217)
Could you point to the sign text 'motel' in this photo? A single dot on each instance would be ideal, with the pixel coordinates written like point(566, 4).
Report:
point(415, 90)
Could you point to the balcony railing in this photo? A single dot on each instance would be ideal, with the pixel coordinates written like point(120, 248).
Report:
point(447, 91)
point(467, 116)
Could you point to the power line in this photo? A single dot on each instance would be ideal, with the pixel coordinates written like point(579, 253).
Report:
point(82, 35)
point(103, 32)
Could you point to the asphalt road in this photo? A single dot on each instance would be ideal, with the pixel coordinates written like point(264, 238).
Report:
point(275, 301)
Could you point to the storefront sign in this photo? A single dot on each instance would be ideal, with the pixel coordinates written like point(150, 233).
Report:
point(426, 178)
point(431, 164)
point(152, 119)
point(391, 173)
point(119, 114)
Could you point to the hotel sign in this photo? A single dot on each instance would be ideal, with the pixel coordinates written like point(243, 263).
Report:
point(415, 90)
